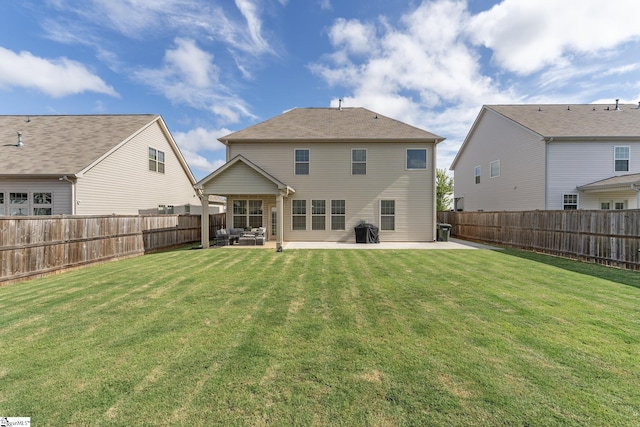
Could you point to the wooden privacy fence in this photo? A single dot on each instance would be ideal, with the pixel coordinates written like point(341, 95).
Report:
point(610, 237)
point(32, 246)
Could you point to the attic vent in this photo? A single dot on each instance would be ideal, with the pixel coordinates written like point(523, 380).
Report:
point(19, 144)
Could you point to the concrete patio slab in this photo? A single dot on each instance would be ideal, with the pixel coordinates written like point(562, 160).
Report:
point(451, 244)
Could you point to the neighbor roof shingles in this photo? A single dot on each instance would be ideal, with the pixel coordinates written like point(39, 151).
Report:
point(581, 120)
point(331, 124)
point(62, 145)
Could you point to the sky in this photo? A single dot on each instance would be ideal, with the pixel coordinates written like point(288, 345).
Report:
point(211, 67)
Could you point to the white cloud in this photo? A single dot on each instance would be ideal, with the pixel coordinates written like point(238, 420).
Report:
point(251, 14)
point(189, 76)
point(196, 141)
point(527, 36)
point(55, 77)
point(325, 5)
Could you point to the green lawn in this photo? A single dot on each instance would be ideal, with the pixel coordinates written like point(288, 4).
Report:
point(335, 337)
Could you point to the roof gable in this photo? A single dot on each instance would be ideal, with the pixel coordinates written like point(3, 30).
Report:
point(331, 124)
point(63, 145)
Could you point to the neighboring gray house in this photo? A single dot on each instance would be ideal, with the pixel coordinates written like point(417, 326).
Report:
point(92, 165)
point(527, 157)
point(313, 174)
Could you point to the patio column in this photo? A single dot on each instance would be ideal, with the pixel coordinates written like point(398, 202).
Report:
point(280, 220)
point(204, 226)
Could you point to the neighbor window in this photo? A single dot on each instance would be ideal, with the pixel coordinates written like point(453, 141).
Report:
point(162, 209)
point(338, 215)
point(476, 174)
point(619, 205)
point(387, 214)
point(299, 214)
point(42, 203)
point(605, 205)
point(416, 158)
point(170, 209)
point(18, 204)
point(1, 203)
point(621, 159)
point(358, 161)
point(494, 169)
point(302, 162)
point(156, 160)
point(318, 214)
point(569, 202)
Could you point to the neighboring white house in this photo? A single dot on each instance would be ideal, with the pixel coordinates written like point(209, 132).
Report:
point(313, 174)
point(92, 165)
point(527, 157)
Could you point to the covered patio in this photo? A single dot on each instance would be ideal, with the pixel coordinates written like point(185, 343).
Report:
point(254, 198)
point(627, 186)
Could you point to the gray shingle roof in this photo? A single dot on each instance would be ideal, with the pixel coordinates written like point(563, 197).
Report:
point(62, 145)
point(582, 120)
point(331, 124)
point(623, 181)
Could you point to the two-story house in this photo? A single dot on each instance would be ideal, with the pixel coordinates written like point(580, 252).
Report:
point(527, 157)
point(92, 165)
point(313, 174)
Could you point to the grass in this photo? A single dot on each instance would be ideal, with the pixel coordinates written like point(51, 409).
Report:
point(381, 338)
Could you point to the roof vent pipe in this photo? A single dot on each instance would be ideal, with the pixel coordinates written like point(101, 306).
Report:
point(340, 104)
point(19, 144)
point(638, 105)
point(617, 105)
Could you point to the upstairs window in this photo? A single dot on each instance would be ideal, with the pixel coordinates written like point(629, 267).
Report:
point(494, 167)
point(416, 158)
point(476, 174)
point(302, 162)
point(569, 202)
point(156, 160)
point(621, 158)
point(358, 161)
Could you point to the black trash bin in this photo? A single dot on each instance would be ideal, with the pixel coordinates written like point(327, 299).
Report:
point(443, 232)
point(366, 233)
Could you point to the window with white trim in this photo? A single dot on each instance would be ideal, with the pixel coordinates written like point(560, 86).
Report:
point(387, 214)
point(42, 203)
point(358, 161)
point(255, 213)
point(18, 204)
point(239, 213)
point(1, 203)
point(569, 202)
point(338, 215)
point(476, 174)
point(494, 169)
point(621, 158)
point(302, 161)
point(299, 215)
point(247, 213)
point(318, 214)
point(156, 160)
point(416, 158)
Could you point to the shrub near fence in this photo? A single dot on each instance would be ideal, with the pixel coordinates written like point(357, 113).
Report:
point(610, 237)
point(32, 246)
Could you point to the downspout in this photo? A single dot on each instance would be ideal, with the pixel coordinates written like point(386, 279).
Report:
point(547, 141)
point(74, 202)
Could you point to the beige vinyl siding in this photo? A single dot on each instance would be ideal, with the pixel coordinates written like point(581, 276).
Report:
point(521, 153)
point(61, 193)
point(234, 181)
point(122, 182)
point(573, 163)
point(330, 178)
